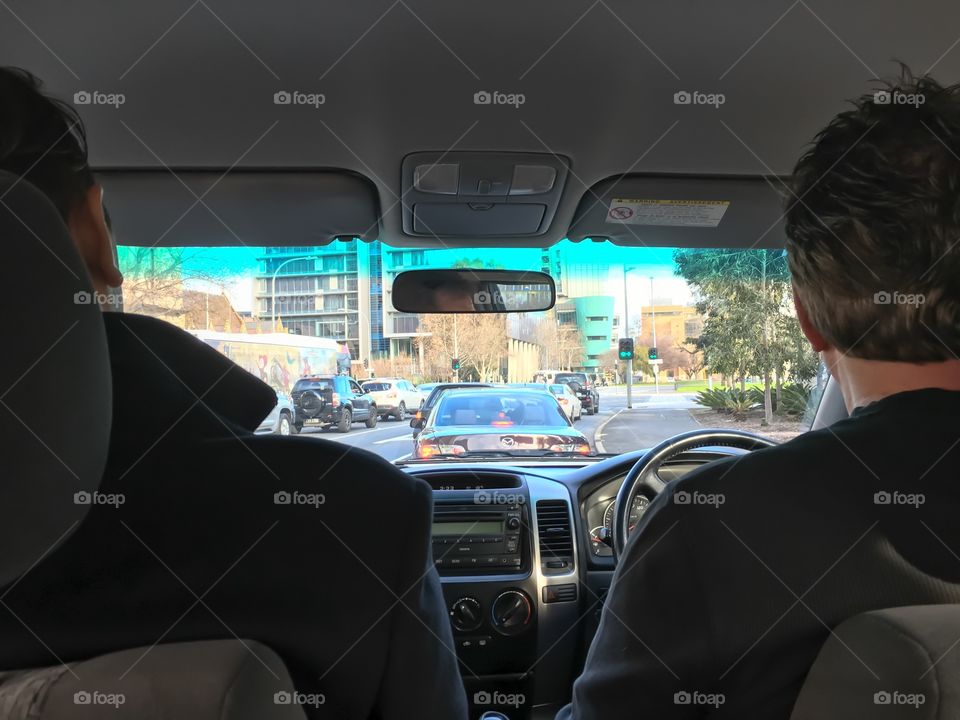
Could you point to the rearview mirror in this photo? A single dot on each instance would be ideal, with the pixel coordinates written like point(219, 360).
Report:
point(473, 291)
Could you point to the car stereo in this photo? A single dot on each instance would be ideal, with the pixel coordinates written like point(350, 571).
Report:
point(479, 538)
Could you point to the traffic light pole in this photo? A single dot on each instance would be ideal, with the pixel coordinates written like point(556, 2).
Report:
point(630, 383)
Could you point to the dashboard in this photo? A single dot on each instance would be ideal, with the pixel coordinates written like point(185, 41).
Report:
point(524, 562)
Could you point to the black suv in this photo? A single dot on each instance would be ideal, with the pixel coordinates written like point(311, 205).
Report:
point(580, 384)
point(328, 401)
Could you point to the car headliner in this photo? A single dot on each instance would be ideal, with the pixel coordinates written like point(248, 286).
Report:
point(399, 76)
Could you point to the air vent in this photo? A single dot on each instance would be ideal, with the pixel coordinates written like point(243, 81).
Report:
point(556, 539)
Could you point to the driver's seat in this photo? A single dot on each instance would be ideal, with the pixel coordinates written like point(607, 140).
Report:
point(895, 663)
point(55, 417)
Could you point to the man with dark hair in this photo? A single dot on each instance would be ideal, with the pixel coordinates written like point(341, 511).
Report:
point(221, 533)
point(731, 602)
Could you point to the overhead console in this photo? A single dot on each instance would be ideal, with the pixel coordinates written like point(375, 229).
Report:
point(680, 211)
point(480, 194)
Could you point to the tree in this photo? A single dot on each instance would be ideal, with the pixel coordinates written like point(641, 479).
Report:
point(486, 343)
point(562, 345)
point(744, 295)
point(479, 340)
point(154, 280)
point(694, 361)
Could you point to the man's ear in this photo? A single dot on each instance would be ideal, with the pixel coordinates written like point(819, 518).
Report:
point(88, 228)
point(812, 334)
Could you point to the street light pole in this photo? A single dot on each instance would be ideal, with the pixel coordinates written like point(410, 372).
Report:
point(273, 288)
point(626, 334)
point(456, 348)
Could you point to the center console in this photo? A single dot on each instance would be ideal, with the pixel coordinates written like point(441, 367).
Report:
point(505, 549)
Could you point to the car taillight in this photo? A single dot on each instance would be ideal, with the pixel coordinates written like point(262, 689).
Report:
point(427, 451)
point(432, 449)
point(335, 401)
point(564, 401)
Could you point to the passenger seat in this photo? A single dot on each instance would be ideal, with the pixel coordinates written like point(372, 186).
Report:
point(55, 417)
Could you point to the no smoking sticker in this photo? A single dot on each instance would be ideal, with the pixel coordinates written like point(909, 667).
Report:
point(676, 213)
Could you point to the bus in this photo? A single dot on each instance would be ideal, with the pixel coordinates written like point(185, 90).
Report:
point(280, 359)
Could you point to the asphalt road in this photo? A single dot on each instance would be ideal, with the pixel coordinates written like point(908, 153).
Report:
point(614, 429)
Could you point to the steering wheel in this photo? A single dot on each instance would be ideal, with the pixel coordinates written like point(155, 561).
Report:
point(643, 475)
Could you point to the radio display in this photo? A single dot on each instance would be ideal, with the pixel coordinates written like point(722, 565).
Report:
point(468, 529)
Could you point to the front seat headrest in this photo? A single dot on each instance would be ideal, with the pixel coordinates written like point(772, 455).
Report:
point(55, 387)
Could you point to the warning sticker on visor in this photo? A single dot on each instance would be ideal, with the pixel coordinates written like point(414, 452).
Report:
point(680, 213)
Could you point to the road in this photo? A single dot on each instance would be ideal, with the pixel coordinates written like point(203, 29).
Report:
point(614, 429)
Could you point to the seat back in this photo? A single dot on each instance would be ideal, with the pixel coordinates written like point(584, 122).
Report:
point(209, 680)
point(55, 389)
point(895, 663)
point(55, 418)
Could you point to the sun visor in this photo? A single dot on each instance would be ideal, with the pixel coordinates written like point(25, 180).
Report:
point(658, 211)
point(255, 208)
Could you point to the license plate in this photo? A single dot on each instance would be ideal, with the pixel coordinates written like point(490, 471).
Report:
point(311, 421)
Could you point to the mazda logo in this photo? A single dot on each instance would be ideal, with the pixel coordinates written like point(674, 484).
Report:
point(507, 441)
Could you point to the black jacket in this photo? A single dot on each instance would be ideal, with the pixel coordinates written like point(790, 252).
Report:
point(339, 581)
point(721, 603)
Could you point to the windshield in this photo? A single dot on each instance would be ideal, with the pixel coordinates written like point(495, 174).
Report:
point(376, 386)
point(571, 377)
point(716, 341)
point(496, 409)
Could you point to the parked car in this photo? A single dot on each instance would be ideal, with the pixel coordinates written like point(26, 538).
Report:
point(498, 421)
point(571, 405)
point(393, 396)
point(327, 401)
point(420, 418)
point(280, 421)
point(585, 389)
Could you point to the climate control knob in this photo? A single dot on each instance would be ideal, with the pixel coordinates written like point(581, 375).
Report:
point(465, 614)
point(511, 612)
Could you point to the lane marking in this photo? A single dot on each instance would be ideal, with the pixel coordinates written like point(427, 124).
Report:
point(598, 434)
point(406, 436)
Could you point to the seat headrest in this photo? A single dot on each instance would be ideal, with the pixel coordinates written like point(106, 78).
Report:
point(55, 389)
point(894, 663)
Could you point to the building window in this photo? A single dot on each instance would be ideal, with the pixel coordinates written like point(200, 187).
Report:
point(405, 323)
point(693, 328)
point(597, 318)
point(597, 337)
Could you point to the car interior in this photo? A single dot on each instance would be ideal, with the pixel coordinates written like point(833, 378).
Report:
point(424, 124)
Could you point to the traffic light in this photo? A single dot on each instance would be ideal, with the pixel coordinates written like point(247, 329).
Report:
point(652, 354)
point(626, 349)
point(455, 364)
